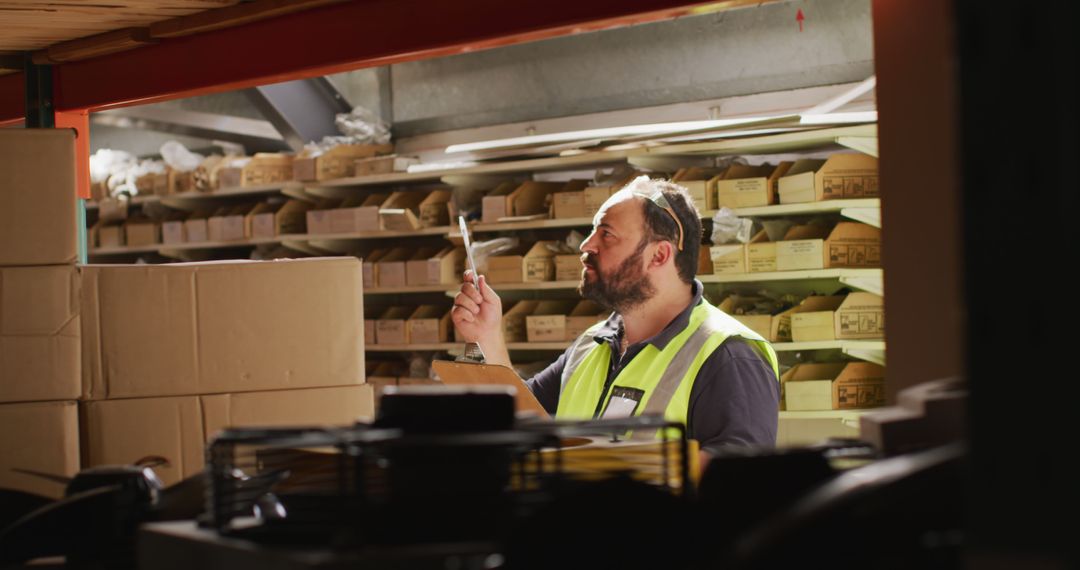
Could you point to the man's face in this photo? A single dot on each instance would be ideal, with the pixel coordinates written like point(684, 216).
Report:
point(614, 257)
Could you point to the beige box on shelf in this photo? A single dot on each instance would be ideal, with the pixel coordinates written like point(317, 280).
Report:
point(39, 333)
point(317, 216)
point(525, 264)
point(162, 184)
point(773, 328)
point(401, 211)
point(41, 437)
point(496, 203)
point(390, 267)
point(368, 268)
point(227, 223)
point(179, 427)
point(416, 268)
point(434, 211)
point(728, 259)
point(383, 165)
point(761, 254)
point(180, 182)
point(195, 226)
point(267, 168)
point(369, 331)
point(200, 328)
point(336, 162)
point(860, 316)
point(841, 176)
point(141, 231)
point(390, 326)
point(833, 386)
point(814, 318)
point(356, 215)
point(569, 201)
point(37, 197)
point(568, 267)
point(429, 324)
point(595, 196)
point(445, 267)
point(849, 244)
point(527, 200)
point(292, 217)
point(743, 186)
point(696, 181)
point(514, 320)
point(173, 230)
point(109, 235)
point(259, 221)
point(547, 323)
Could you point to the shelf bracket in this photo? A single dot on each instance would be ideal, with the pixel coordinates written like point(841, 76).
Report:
point(865, 145)
point(869, 355)
point(870, 284)
point(868, 216)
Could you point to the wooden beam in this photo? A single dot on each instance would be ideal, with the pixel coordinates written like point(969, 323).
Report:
point(93, 46)
point(231, 16)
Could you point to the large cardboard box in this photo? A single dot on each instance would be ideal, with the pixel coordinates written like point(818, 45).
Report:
point(202, 328)
point(841, 176)
point(525, 264)
point(696, 181)
point(429, 324)
point(39, 333)
point(336, 162)
point(728, 259)
point(744, 186)
point(37, 197)
point(42, 437)
point(401, 211)
point(514, 320)
point(834, 386)
point(390, 326)
point(809, 246)
point(178, 428)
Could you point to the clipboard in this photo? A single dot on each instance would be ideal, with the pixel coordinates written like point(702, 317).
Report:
point(469, 373)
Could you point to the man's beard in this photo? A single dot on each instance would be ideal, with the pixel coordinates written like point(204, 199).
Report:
point(622, 289)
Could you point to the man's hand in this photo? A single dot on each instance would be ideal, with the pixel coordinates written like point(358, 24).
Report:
point(477, 317)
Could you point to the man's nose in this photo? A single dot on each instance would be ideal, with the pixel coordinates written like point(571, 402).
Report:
point(587, 245)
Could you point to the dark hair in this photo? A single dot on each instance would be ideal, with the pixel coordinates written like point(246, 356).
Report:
point(659, 225)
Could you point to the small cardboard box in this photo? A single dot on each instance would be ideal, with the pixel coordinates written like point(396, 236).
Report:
point(195, 226)
point(728, 259)
point(429, 324)
point(433, 209)
point(41, 437)
point(416, 268)
point(860, 316)
point(547, 323)
point(568, 267)
point(773, 328)
point(259, 222)
point(383, 165)
point(761, 254)
point(336, 162)
point(145, 183)
point(521, 265)
point(356, 215)
point(401, 211)
point(445, 267)
point(743, 186)
point(530, 199)
point(390, 326)
point(369, 331)
point(142, 231)
point(173, 232)
point(496, 203)
point(841, 176)
point(227, 223)
point(181, 181)
point(369, 258)
point(595, 196)
point(814, 318)
point(514, 320)
point(109, 235)
point(390, 268)
point(317, 217)
point(833, 386)
point(267, 168)
point(569, 201)
point(161, 184)
point(292, 218)
point(696, 181)
point(849, 244)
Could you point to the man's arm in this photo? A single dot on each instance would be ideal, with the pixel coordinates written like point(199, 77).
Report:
point(735, 399)
point(477, 316)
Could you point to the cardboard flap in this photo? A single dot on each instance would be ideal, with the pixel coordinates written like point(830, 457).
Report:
point(503, 189)
point(695, 173)
point(805, 165)
point(736, 171)
point(523, 307)
point(424, 253)
point(811, 372)
point(428, 312)
point(552, 307)
point(860, 300)
point(531, 197)
point(806, 231)
point(855, 231)
point(541, 249)
point(436, 197)
point(396, 313)
point(820, 303)
point(396, 254)
point(575, 186)
point(849, 163)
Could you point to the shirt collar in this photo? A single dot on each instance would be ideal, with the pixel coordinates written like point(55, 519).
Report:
point(612, 329)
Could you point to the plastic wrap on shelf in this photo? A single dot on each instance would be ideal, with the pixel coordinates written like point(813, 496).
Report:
point(730, 228)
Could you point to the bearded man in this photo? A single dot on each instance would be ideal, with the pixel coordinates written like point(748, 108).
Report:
point(664, 349)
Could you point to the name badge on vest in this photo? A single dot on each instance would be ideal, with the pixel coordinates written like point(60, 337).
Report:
point(623, 402)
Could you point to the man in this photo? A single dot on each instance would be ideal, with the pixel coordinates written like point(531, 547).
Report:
point(664, 349)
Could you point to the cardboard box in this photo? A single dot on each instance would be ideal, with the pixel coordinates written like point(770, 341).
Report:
point(178, 428)
point(416, 268)
point(109, 235)
point(849, 244)
point(216, 327)
point(39, 333)
point(336, 162)
point(595, 196)
point(860, 316)
point(259, 221)
point(841, 176)
point(369, 258)
point(38, 194)
point(433, 209)
point(569, 201)
point(173, 232)
point(496, 203)
point(728, 259)
point(531, 198)
point(547, 323)
point(369, 330)
point(525, 264)
point(267, 168)
point(445, 267)
point(292, 218)
point(834, 386)
point(390, 326)
point(180, 182)
point(227, 224)
point(390, 268)
point(383, 165)
point(113, 209)
point(42, 437)
point(743, 186)
point(195, 227)
point(696, 181)
point(514, 320)
point(429, 324)
point(761, 254)
point(814, 318)
point(568, 267)
point(401, 211)
point(773, 328)
point(317, 217)
point(142, 232)
point(356, 215)
point(161, 184)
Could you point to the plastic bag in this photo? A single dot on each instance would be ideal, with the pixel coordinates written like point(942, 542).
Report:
point(482, 250)
point(106, 162)
point(358, 126)
point(730, 228)
point(179, 158)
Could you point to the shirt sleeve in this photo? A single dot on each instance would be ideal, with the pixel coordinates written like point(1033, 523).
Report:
point(735, 399)
point(547, 384)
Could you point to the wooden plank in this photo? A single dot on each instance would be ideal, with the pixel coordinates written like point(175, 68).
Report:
point(93, 46)
point(231, 16)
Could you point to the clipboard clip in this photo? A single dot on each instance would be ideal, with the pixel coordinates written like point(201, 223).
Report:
point(472, 354)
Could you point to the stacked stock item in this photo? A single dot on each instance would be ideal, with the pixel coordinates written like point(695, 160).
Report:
point(110, 364)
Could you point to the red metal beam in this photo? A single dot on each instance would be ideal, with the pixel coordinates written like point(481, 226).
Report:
point(325, 40)
point(12, 98)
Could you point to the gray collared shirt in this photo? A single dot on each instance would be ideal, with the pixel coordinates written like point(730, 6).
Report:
point(735, 397)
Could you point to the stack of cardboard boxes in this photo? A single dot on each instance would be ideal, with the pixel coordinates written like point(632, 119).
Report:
point(109, 364)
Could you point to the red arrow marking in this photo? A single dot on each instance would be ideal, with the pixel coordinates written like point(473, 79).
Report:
point(799, 16)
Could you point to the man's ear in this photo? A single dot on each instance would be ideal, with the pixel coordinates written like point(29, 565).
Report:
point(665, 250)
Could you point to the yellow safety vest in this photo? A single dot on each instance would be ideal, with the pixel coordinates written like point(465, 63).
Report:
point(665, 376)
